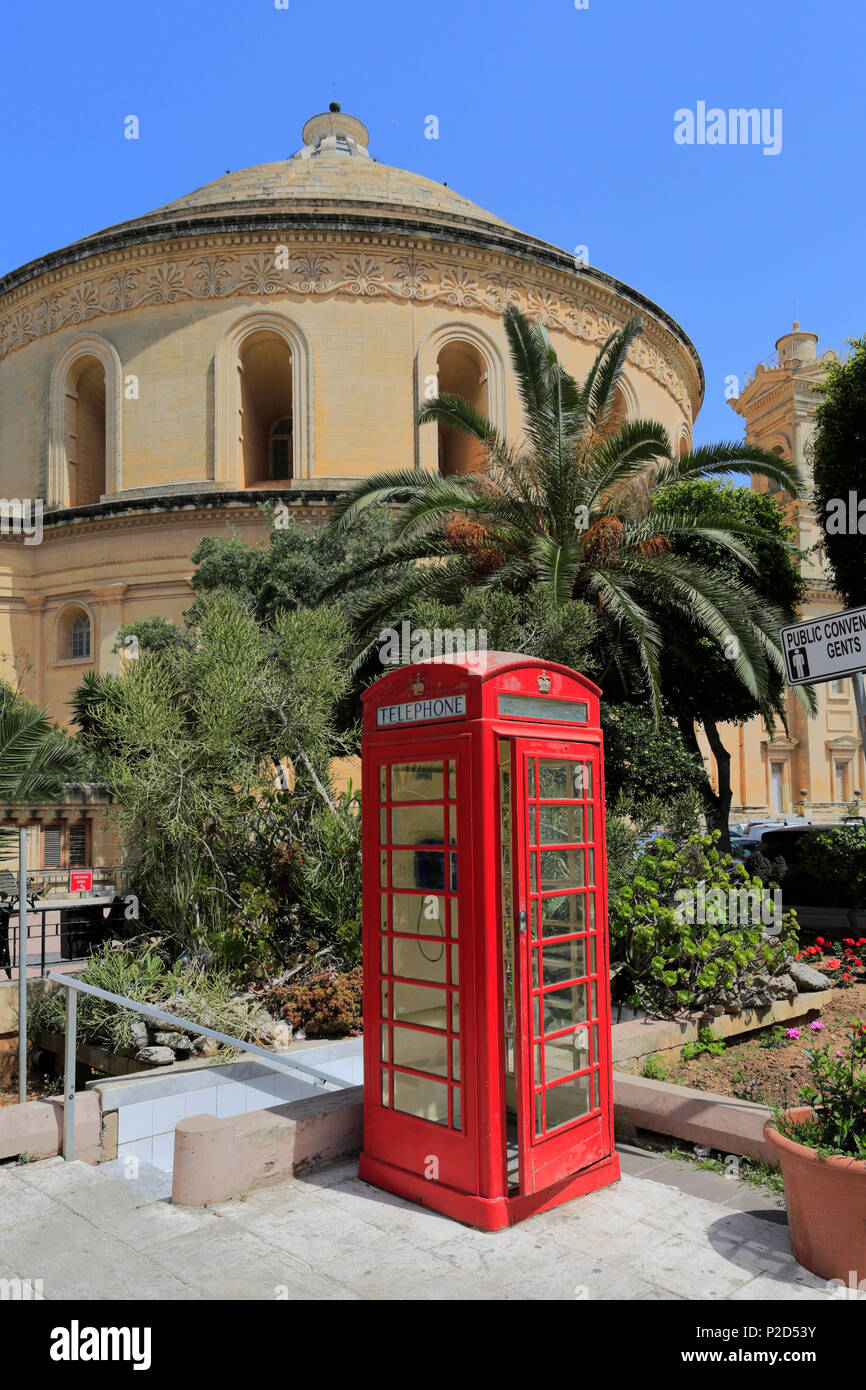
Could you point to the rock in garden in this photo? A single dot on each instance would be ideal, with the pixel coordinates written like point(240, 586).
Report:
point(155, 1056)
point(806, 979)
point(273, 1032)
point(205, 1047)
point(785, 986)
point(183, 1046)
point(140, 1035)
point(168, 1039)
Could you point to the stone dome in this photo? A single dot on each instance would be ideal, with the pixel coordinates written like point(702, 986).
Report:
point(332, 172)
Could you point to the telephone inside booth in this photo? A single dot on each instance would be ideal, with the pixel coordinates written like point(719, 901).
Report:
point(486, 1005)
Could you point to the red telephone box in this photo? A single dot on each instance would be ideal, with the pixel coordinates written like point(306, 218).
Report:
point(487, 1065)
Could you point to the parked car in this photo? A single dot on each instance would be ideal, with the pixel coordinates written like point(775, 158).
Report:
point(757, 829)
point(742, 846)
point(788, 843)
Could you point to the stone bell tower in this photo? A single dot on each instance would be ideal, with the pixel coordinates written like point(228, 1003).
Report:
point(816, 767)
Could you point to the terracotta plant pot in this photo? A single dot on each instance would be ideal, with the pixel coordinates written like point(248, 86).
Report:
point(826, 1201)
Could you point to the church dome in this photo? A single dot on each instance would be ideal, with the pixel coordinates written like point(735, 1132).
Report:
point(332, 168)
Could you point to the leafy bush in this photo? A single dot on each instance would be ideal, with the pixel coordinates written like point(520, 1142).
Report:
point(632, 819)
point(645, 760)
point(328, 1004)
point(664, 958)
point(195, 738)
point(142, 976)
point(324, 872)
point(837, 1094)
point(654, 1068)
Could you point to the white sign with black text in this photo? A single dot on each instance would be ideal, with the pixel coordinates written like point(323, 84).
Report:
point(825, 649)
point(419, 711)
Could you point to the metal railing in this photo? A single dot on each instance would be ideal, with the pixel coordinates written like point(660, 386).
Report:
point(112, 879)
point(74, 987)
point(76, 928)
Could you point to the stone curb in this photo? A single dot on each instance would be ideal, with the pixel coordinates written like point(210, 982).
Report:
point(638, 1039)
point(36, 1128)
point(701, 1117)
point(215, 1160)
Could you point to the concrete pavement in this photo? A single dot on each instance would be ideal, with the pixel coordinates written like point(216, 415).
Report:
point(666, 1231)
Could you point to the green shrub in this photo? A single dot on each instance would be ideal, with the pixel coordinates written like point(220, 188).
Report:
point(140, 975)
point(328, 1004)
point(707, 1045)
point(185, 989)
point(631, 820)
point(654, 1068)
point(664, 958)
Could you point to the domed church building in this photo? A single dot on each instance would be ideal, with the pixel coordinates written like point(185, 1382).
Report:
point(270, 335)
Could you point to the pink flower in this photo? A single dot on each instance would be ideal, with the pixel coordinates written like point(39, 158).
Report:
point(839, 1052)
point(816, 1025)
point(793, 1033)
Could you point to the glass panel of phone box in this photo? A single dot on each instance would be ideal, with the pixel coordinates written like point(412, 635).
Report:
point(419, 940)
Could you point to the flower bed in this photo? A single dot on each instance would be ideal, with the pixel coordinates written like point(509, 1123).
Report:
point(771, 1067)
point(841, 961)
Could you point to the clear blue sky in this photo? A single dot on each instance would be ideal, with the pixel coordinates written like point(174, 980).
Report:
point(559, 120)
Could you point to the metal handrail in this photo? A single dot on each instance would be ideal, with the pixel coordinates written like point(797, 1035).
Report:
point(74, 986)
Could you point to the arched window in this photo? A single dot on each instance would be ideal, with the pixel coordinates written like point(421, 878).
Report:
point(263, 430)
point(266, 402)
point(461, 371)
point(773, 485)
point(625, 405)
point(458, 358)
point(74, 634)
point(80, 637)
point(84, 423)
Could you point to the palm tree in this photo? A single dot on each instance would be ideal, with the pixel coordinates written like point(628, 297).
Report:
point(569, 505)
point(36, 758)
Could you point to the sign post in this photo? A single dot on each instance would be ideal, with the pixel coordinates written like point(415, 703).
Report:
point(828, 649)
point(860, 698)
point(22, 964)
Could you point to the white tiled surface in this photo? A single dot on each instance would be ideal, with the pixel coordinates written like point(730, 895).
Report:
point(145, 1128)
